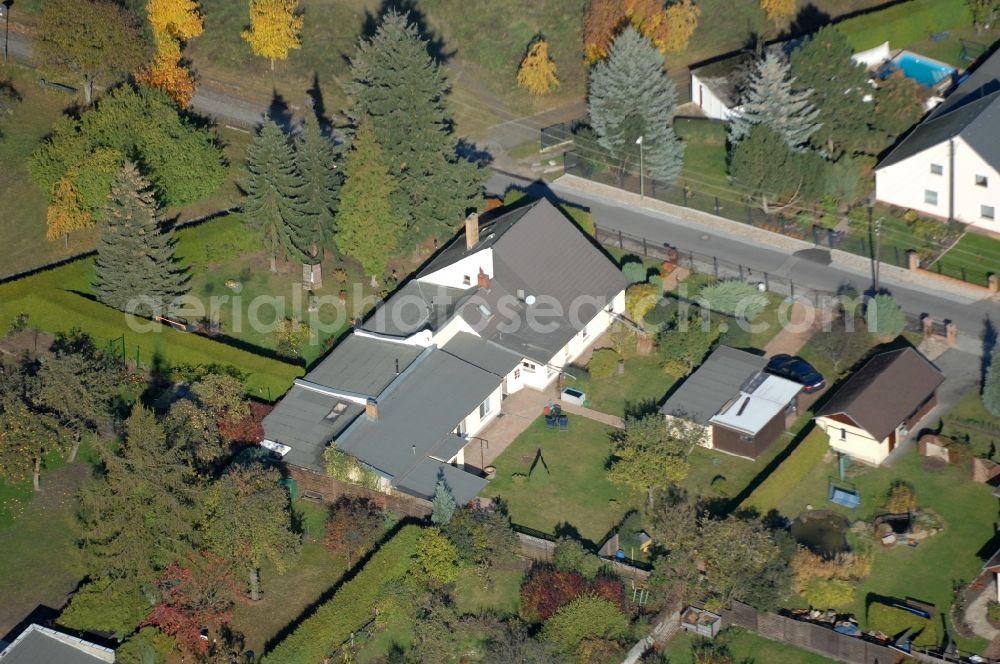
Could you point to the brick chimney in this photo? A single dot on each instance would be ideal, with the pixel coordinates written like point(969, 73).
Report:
point(371, 410)
point(472, 230)
point(483, 280)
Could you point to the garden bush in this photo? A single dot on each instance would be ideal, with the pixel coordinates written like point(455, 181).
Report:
point(603, 363)
point(583, 618)
point(549, 590)
point(790, 473)
point(640, 300)
point(901, 499)
point(334, 621)
point(734, 297)
point(884, 316)
point(893, 622)
point(634, 271)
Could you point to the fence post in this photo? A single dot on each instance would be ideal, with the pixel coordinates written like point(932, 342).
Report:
point(715, 266)
point(741, 271)
point(645, 251)
point(749, 216)
point(767, 283)
point(621, 244)
point(791, 289)
point(716, 206)
point(685, 190)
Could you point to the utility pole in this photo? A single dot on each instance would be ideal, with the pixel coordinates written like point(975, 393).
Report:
point(877, 252)
point(5, 13)
point(642, 181)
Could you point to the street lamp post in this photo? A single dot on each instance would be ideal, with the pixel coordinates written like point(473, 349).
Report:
point(878, 251)
point(642, 180)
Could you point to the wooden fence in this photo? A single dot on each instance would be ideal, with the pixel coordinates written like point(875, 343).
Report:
point(322, 487)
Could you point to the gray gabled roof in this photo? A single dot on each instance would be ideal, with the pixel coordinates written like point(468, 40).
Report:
point(975, 121)
point(890, 386)
point(41, 645)
point(422, 480)
point(414, 307)
point(713, 384)
point(976, 84)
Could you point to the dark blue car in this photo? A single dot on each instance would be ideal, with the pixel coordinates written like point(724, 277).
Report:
point(798, 370)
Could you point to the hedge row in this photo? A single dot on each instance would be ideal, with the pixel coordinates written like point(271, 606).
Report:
point(54, 302)
point(790, 473)
point(350, 607)
point(906, 23)
point(893, 622)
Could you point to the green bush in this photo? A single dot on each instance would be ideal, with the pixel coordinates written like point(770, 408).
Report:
point(350, 607)
point(884, 316)
point(571, 556)
point(603, 363)
point(790, 473)
point(734, 297)
point(147, 646)
point(634, 271)
point(584, 618)
point(105, 606)
point(892, 621)
point(640, 299)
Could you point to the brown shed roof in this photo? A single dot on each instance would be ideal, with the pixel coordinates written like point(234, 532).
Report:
point(885, 391)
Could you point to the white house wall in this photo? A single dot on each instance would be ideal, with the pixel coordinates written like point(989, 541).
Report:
point(462, 273)
point(905, 184)
point(854, 441)
point(710, 104)
point(455, 325)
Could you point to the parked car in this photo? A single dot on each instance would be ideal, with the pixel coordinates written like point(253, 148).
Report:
point(798, 370)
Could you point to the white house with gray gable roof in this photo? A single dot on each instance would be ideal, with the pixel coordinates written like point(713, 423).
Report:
point(503, 307)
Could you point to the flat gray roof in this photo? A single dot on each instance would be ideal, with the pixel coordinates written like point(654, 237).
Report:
point(713, 384)
point(362, 365)
point(40, 645)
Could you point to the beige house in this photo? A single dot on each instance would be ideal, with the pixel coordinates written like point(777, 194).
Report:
point(879, 405)
point(948, 166)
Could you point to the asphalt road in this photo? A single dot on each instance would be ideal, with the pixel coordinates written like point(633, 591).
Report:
point(969, 315)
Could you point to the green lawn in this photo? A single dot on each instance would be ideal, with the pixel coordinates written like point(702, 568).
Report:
point(905, 24)
point(575, 492)
point(972, 259)
point(643, 386)
point(746, 648)
point(970, 420)
point(502, 597)
point(929, 571)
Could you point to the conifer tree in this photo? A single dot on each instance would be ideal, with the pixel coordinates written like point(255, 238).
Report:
point(537, 73)
point(273, 187)
point(444, 503)
point(367, 226)
point(770, 100)
point(321, 179)
point(135, 265)
point(275, 28)
point(631, 96)
point(402, 88)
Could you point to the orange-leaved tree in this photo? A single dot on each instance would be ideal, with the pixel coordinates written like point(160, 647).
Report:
point(179, 19)
point(668, 28)
point(778, 10)
point(537, 73)
point(65, 214)
point(167, 73)
point(275, 28)
point(601, 22)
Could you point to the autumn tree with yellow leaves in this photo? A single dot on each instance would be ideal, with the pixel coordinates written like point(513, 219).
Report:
point(668, 28)
point(537, 73)
point(778, 10)
point(168, 74)
point(179, 19)
point(65, 214)
point(275, 28)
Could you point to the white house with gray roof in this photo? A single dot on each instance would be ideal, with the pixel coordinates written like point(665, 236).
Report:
point(503, 307)
point(948, 166)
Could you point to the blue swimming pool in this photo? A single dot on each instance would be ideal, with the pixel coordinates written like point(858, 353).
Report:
point(924, 71)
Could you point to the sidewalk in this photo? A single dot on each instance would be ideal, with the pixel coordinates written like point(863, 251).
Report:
point(966, 293)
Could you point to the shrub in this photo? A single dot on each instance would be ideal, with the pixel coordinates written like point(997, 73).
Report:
point(993, 612)
point(640, 300)
point(634, 271)
point(548, 590)
point(436, 557)
point(350, 607)
point(147, 646)
point(734, 297)
point(657, 280)
point(584, 617)
point(901, 498)
point(884, 316)
point(790, 474)
point(571, 556)
point(603, 363)
point(892, 621)
point(831, 594)
point(101, 605)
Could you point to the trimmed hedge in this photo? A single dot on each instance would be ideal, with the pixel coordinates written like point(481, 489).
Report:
point(350, 607)
point(905, 24)
point(892, 621)
point(790, 473)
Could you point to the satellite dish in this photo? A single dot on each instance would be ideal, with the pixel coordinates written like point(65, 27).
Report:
point(529, 300)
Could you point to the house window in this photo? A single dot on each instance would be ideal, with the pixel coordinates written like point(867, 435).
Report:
point(337, 410)
point(466, 280)
point(982, 181)
point(843, 434)
point(529, 367)
point(930, 197)
point(484, 408)
point(583, 333)
point(937, 169)
point(517, 373)
point(987, 212)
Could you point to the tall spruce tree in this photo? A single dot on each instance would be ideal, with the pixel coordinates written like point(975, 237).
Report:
point(316, 156)
point(367, 226)
point(273, 205)
point(631, 96)
point(769, 99)
point(402, 88)
point(823, 65)
point(135, 267)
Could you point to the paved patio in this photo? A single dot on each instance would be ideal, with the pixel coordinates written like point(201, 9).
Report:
point(975, 612)
point(517, 412)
